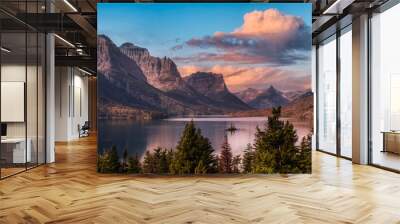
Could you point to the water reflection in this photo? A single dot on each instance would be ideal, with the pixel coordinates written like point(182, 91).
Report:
point(138, 137)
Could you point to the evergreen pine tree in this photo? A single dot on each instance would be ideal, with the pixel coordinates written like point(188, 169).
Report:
point(114, 164)
point(248, 158)
point(108, 162)
point(161, 161)
point(192, 148)
point(200, 168)
point(225, 157)
point(275, 150)
point(134, 165)
point(148, 163)
point(236, 164)
point(101, 162)
point(305, 155)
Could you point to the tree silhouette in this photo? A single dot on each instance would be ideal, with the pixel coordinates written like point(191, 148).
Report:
point(109, 161)
point(275, 150)
point(192, 148)
point(225, 157)
point(236, 164)
point(134, 165)
point(248, 159)
point(305, 155)
point(200, 168)
point(148, 163)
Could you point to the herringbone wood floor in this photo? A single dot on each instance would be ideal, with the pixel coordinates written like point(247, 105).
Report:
point(70, 191)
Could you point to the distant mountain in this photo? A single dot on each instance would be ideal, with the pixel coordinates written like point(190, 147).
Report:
point(213, 86)
point(248, 94)
point(301, 109)
point(269, 98)
point(293, 95)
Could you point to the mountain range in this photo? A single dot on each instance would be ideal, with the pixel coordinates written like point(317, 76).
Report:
point(136, 85)
point(268, 98)
point(300, 109)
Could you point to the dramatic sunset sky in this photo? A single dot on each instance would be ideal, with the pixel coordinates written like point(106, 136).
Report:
point(252, 44)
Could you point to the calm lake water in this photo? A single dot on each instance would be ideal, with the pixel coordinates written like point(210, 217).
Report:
point(138, 137)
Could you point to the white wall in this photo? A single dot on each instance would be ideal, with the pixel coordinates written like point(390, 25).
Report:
point(12, 73)
point(33, 126)
point(71, 102)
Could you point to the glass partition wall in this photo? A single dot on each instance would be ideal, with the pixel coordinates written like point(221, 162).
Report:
point(327, 95)
point(22, 98)
point(385, 89)
point(345, 91)
point(334, 94)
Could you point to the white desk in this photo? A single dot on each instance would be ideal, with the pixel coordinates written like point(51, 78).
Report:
point(19, 155)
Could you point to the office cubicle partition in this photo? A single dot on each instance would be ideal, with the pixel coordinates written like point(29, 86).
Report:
point(22, 77)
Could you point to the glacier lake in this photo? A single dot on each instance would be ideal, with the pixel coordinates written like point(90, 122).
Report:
point(141, 136)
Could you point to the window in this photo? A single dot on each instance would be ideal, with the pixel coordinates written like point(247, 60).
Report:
point(327, 95)
point(22, 87)
point(385, 89)
point(346, 92)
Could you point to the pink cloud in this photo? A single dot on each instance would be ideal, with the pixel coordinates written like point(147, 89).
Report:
point(270, 24)
point(264, 37)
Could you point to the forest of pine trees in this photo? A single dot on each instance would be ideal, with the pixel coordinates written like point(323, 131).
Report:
point(274, 151)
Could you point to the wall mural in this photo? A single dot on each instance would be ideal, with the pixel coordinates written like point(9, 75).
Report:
point(204, 88)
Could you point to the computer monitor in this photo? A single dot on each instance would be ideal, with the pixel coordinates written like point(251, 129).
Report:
point(3, 130)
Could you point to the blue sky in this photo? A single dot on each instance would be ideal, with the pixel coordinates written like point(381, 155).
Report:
point(160, 27)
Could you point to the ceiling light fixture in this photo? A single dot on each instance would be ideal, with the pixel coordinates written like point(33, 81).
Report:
point(70, 5)
point(5, 50)
point(64, 40)
point(337, 7)
point(86, 72)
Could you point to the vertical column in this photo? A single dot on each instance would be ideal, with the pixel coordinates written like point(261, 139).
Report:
point(314, 90)
point(50, 92)
point(50, 98)
point(338, 91)
point(360, 89)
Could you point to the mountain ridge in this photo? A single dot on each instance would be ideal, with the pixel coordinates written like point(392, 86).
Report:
point(271, 97)
point(124, 85)
point(213, 86)
point(130, 76)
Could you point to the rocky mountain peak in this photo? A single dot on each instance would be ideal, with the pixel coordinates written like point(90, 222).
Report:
point(272, 89)
point(161, 73)
point(248, 94)
point(213, 86)
point(132, 50)
point(207, 81)
point(111, 61)
point(269, 98)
